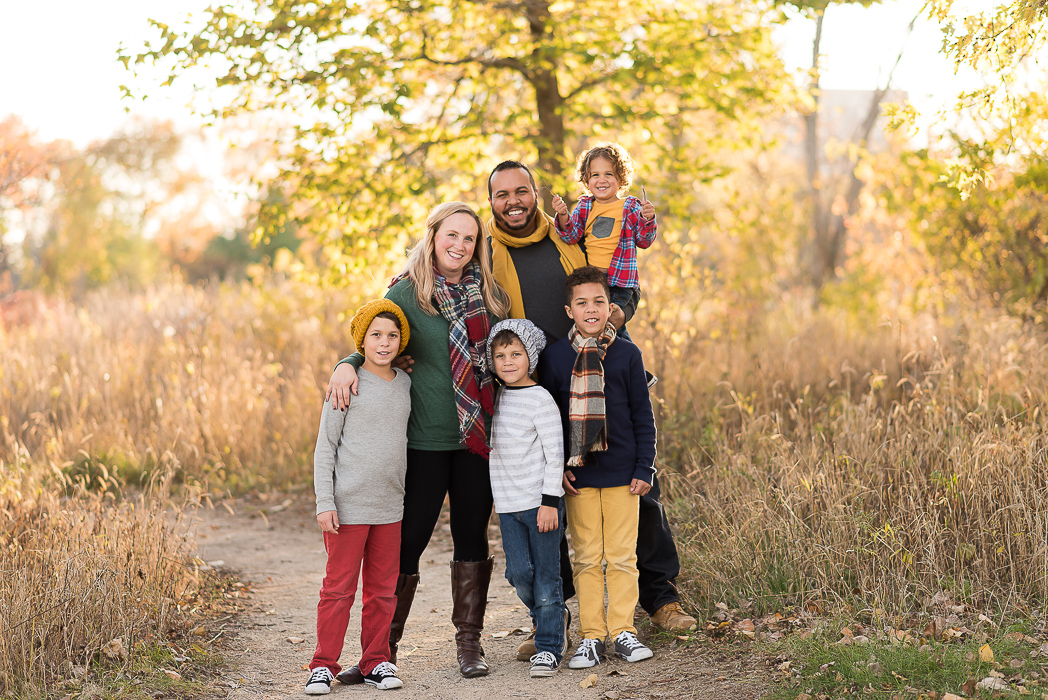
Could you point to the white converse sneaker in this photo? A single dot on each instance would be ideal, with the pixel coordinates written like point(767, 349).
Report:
point(588, 654)
point(384, 677)
point(543, 665)
point(628, 647)
point(319, 682)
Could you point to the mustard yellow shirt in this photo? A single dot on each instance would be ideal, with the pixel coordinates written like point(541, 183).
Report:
point(603, 227)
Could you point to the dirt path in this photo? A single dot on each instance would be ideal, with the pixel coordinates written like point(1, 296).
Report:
point(281, 554)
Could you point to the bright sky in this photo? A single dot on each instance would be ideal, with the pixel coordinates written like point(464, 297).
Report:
point(62, 77)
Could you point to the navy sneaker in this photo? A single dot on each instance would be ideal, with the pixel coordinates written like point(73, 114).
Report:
point(384, 677)
point(588, 654)
point(319, 682)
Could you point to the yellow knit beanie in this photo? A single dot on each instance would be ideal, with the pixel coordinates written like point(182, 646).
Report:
point(367, 313)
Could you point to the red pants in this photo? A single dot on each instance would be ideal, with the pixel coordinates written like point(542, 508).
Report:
point(375, 549)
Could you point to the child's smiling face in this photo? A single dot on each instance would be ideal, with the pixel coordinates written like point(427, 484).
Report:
point(511, 363)
point(381, 343)
point(589, 308)
point(602, 181)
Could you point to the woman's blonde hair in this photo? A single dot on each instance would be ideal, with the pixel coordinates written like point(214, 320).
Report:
point(419, 266)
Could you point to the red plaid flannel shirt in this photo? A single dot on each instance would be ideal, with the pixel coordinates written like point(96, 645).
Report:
point(637, 232)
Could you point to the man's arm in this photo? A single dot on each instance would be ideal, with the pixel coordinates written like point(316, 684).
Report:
point(642, 417)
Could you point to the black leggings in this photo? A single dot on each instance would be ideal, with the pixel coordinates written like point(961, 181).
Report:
point(463, 476)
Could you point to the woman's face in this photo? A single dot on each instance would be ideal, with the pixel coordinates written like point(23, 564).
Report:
point(453, 245)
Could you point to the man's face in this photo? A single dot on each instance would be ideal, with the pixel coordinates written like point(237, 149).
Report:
point(513, 202)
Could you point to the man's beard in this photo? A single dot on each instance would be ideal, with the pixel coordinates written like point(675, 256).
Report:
point(506, 226)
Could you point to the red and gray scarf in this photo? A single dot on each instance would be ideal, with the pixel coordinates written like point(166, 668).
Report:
point(462, 306)
point(586, 412)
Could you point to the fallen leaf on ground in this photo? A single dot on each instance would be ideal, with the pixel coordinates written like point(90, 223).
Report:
point(991, 683)
point(295, 640)
point(986, 654)
point(115, 649)
point(951, 696)
point(500, 635)
point(589, 681)
point(173, 675)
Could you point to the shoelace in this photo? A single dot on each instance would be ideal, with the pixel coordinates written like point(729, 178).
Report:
point(544, 657)
point(320, 674)
point(384, 669)
point(588, 646)
point(627, 640)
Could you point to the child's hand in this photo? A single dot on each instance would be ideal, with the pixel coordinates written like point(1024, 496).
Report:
point(639, 488)
point(647, 210)
point(328, 521)
point(547, 518)
point(559, 206)
point(343, 383)
point(568, 488)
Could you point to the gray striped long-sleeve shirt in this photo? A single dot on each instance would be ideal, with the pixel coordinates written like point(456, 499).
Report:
point(527, 450)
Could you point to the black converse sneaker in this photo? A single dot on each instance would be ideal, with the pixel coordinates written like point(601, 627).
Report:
point(319, 682)
point(628, 647)
point(384, 677)
point(588, 654)
point(543, 665)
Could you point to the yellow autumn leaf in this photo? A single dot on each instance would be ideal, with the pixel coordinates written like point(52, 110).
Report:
point(589, 681)
point(986, 654)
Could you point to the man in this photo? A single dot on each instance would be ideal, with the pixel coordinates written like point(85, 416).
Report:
point(531, 263)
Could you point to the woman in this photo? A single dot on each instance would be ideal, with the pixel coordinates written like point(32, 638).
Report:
point(449, 296)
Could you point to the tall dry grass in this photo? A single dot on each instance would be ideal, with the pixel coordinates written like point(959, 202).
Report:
point(84, 577)
point(809, 455)
point(107, 407)
point(226, 381)
point(815, 457)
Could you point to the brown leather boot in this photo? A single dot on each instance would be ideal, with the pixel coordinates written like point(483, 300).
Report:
point(406, 585)
point(469, 592)
point(405, 592)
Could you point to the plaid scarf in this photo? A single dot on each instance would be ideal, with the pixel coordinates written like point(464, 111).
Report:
point(586, 413)
point(462, 306)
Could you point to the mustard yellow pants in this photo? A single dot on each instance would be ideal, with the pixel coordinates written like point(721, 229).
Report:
point(603, 528)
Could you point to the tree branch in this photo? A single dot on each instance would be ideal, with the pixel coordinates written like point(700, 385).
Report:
point(509, 62)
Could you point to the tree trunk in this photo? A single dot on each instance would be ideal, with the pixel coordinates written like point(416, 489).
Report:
point(549, 102)
point(811, 149)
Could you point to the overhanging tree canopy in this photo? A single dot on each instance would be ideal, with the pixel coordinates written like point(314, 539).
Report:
point(399, 104)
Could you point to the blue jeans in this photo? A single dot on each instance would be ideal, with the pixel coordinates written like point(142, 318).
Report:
point(533, 568)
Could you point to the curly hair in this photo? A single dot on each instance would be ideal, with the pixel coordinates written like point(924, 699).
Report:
point(615, 154)
point(588, 274)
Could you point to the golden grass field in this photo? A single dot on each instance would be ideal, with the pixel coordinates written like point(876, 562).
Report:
point(806, 455)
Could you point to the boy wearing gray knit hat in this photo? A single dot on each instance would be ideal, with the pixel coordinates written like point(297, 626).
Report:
point(527, 469)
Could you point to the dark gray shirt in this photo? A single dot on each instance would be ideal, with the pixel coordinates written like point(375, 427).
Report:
point(541, 276)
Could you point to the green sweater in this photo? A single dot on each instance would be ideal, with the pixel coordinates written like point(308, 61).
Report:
point(433, 424)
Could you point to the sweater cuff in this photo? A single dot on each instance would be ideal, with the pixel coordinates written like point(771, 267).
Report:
point(551, 501)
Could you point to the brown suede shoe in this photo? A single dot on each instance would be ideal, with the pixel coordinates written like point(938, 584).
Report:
point(672, 618)
point(527, 648)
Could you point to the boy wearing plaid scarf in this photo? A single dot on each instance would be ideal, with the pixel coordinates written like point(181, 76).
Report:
point(609, 436)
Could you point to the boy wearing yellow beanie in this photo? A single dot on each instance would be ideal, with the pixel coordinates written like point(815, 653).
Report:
point(358, 475)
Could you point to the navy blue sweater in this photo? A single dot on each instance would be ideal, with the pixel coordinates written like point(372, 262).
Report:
point(630, 421)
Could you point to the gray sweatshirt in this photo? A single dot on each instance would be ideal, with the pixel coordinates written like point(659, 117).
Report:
point(361, 455)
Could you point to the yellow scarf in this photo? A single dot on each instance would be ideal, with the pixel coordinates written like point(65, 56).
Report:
point(571, 256)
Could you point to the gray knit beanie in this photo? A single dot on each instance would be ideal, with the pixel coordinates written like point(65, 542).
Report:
point(530, 337)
